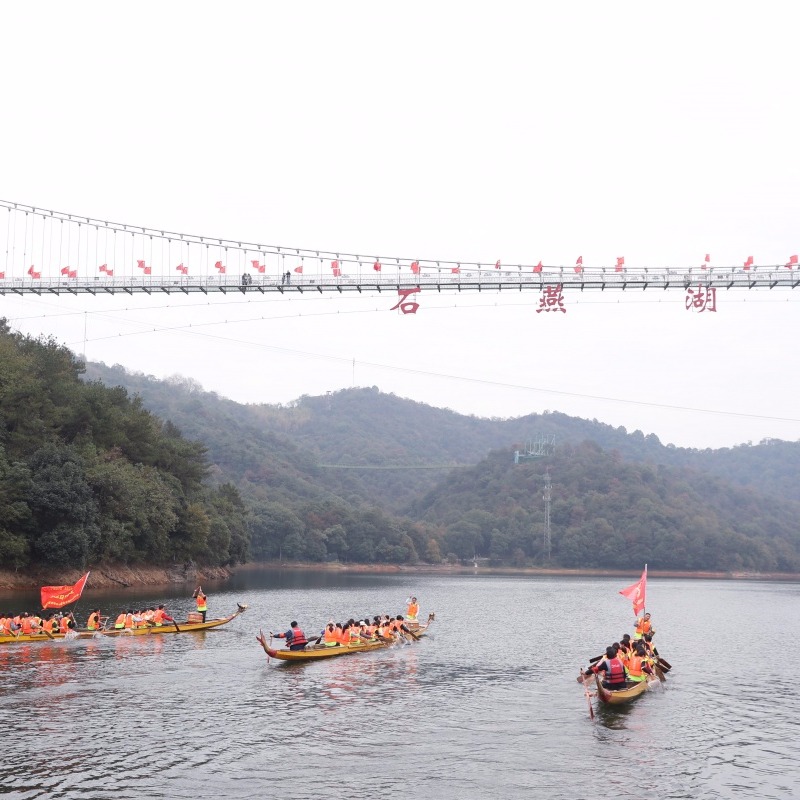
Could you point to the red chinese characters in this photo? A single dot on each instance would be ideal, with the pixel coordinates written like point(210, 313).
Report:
point(404, 304)
point(552, 299)
point(703, 298)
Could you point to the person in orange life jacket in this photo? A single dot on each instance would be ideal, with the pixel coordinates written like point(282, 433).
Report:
point(638, 668)
point(412, 609)
point(330, 636)
point(93, 623)
point(643, 626)
point(295, 638)
point(616, 674)
point(160, 616)
point(200, 598)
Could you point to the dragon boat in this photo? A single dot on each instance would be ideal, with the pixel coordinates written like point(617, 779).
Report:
point(148, 630)
point(312, 652)
point(618, 696)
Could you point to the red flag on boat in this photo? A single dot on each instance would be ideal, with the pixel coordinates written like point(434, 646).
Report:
point(60, 596)
point(636, 592)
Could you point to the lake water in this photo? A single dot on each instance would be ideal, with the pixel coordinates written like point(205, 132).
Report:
point(485, 706)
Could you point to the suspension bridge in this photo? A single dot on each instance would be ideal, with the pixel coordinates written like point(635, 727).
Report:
point(48, 252)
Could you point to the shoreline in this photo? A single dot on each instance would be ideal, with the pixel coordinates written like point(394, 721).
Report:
point(122, 576)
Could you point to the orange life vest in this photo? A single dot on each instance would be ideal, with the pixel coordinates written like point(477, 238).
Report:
point(120, 622)
point(94, 621)
point(330, 636)
point(201, 602)
point(27, 626)
point(643, 626)
point(413, 610)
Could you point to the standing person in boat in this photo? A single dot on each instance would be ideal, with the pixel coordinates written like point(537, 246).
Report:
point(295, 638)
point(643, 626)
point(616, 674)
point(200, 599)
point(412, 609)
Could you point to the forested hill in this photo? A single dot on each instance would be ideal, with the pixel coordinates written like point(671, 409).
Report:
point(88, 475)
point(607, 512)
point(403, 447)
point(362, 475)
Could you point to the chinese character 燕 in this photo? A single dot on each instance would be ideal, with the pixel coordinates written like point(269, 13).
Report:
point(552, 299)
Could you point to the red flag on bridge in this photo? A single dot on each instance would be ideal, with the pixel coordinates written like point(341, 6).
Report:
point(182, 269)
point(791, 262)
point(636, 592)
point(538, 267)
point(65, 270)
point(60, 596)
point(497, 264)
point(260, 267)
point(377, 266)
point(33, 273)
point(299, 269)
point(415, 267)
point(748, 263)
point(620, 264)
point(220, 266)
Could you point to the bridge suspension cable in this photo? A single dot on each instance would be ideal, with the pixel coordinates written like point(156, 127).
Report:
point(46, 251)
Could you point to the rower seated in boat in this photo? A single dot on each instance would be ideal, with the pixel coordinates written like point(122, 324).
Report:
point(638, 666)
point(295, 638)
point(331, 636)
point(616, 674)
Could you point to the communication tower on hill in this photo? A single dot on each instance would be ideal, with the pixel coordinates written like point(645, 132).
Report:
point(544, 445)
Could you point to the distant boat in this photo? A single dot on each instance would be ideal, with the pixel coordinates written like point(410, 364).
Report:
point(147, 630)
point(314, 652)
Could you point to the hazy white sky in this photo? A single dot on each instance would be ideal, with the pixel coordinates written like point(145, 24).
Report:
point(463, 131)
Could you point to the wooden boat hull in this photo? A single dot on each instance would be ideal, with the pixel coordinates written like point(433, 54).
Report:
point(618, 696)
point(167, 627)
point(315, 652)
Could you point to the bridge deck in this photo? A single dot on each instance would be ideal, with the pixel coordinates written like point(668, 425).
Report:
point(764, 278)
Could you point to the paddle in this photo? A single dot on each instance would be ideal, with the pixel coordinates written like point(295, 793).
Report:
point(588, 696)
point(660, 674)
point(414, 636)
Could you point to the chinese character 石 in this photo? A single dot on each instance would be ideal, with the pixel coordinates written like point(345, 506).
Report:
point(404, 304)
point(552, 299)
point(701, 299)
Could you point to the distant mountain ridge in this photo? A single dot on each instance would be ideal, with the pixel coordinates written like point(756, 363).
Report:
point(362, 448)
